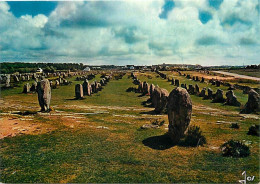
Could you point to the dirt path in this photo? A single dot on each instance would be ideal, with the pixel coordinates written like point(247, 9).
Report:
point(238, 76)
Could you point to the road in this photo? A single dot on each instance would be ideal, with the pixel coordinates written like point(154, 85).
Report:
point(238, 76)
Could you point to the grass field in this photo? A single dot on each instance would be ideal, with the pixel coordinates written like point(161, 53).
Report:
point(98, 139)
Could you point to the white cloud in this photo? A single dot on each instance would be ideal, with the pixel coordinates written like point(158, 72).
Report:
point(117, 32)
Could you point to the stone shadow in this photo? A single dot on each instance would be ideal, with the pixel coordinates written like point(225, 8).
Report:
point(161, 142)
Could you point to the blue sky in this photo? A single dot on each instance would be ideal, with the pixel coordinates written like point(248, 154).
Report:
point(207, 32)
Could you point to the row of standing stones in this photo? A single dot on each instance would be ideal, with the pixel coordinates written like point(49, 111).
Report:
point(43, 86)
point(86, 89)
point(178, 103)
point(252, 105)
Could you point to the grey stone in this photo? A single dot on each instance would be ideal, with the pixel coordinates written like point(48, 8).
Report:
point(231, 99)
point(44, 94)
point(253, 102)
point(179, 113)
point(78, 91)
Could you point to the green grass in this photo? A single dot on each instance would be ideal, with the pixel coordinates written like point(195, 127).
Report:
point(123, 152)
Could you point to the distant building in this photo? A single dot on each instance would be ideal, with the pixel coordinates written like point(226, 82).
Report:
point(87, 69)
point(39, 70)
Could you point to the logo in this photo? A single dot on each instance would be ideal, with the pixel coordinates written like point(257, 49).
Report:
point(247, 178)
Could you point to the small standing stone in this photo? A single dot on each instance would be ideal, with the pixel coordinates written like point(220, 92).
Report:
point(231, 99)
point(78, 91)
point(210, 93)
point(26, 88)
point(219, 96)
point(7, 81)
point(203, 93)
point(177, 82)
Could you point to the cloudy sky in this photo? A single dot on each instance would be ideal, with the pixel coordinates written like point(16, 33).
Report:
point(207, 32)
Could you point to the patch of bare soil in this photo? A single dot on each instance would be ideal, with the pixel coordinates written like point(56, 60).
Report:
point(10, 127)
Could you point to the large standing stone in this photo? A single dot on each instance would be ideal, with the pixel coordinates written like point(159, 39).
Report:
point(78, 91)
point(179, 113)
point(219, 96)
point(231, 99)
point(44, 94)
point(26, 88)
point(197, 78)
point(202, 79)
point(253, 102)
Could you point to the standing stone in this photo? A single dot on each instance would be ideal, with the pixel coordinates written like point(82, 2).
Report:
point(140, 87)
point(183, 86)
point(197, 89)
point(217, 83)
point(203, 93)
point(16, 79)
point(202, 79)
point(34, 76)
point(231, 99)
point(44, 94)
point(177, 82)
point(28, 77)
point(172, 81)
point(7, 81)
point(34, 86)
point(179, 113)
point(57, 83)
point(191, 89)
point(102, 82)
point(210, 93)
point(197, 78)
point(151, 90)
point(160, 99)
point(99, 87)
point(219, 96)
point(78, 91)
point(146, 88)
point(86, 88)
point(23, 78)
point(26, 88)
point(253, 102)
